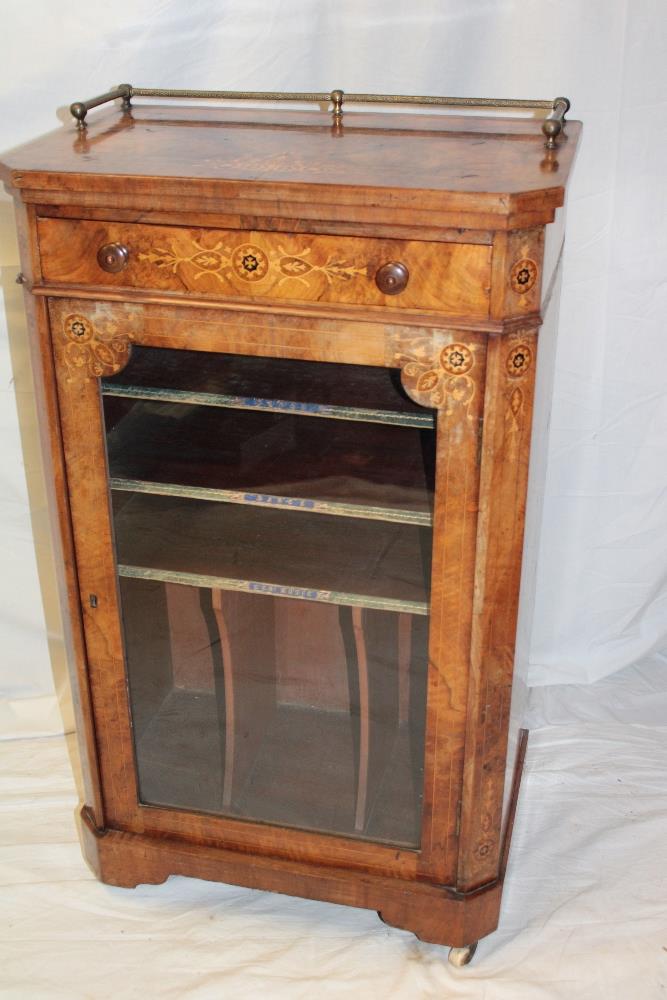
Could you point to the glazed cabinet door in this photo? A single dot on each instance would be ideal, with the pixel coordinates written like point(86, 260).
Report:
point(275, 560)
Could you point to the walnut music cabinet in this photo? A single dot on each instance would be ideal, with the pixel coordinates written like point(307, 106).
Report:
point(285, 364)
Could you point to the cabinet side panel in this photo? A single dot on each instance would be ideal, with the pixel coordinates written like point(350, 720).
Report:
point(59, 513)
point(503, 478)
point(544, 378)
point(554, 238)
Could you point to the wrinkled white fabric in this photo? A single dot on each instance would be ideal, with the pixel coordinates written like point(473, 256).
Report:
point(584, 915)
point(600, 600)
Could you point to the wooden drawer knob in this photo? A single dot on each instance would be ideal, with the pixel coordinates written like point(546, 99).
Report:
point(113, 257)
point(392, 278)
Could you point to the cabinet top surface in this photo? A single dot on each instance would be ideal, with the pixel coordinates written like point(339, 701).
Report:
point(419, 158)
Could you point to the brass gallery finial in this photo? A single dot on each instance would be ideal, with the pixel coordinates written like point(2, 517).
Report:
point(337, 101)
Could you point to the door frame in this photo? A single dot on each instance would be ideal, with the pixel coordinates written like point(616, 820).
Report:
point(441, 368)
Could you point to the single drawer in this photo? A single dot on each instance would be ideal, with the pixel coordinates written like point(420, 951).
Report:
point(443, 277)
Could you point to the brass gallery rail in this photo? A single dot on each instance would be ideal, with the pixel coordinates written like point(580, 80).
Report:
point(552, 125)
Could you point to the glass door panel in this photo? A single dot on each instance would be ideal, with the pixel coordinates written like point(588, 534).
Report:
point(273, 541)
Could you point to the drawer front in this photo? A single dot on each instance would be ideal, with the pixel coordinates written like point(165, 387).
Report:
point(442, 277)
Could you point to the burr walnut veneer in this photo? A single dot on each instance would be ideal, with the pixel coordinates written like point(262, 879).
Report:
point(285, 372)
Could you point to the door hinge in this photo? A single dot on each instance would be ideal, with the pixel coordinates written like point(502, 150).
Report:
point(459, 804)
point(92, 598)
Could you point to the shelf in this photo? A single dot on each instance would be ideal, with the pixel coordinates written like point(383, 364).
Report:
point(318, 746)
point(179, 766)
point(272, 589)
point(396, 806)
point(303, 773)
point(373, 471)
point(358, 563)
point(307, 504)
point(308, 388)
point(178, 754)
point(269, 405)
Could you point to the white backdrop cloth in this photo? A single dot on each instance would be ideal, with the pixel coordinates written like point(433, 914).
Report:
point(584, 914)
point(600, 598)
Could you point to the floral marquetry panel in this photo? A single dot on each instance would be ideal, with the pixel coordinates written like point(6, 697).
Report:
point(90, 351)
point(91, 340)
point(443, 277)
point(518, 262)
point(440, 371)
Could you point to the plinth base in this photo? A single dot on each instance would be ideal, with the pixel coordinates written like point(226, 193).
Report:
point(436, 914)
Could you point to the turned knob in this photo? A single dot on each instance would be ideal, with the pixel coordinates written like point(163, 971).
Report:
point(113, 257)
point(392, 278)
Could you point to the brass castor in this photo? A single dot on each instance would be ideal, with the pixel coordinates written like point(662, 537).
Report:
point(461, 956)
